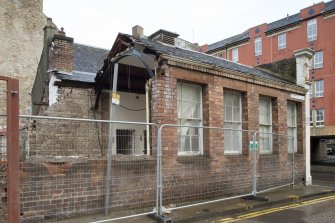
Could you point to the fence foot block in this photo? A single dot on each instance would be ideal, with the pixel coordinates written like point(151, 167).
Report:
point(256, 198)
point(160, 218)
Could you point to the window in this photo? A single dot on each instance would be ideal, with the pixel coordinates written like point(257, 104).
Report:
point(311, 30)
point(292, 127)
point(219, 55)
point(311, 124)
point(319, 88)
point(281, 41)
point(318, 59)
point(233, 120)
point(189, 105)
point(125, 141)
point(235, 55)
point(258, 46)
point(320, 118)
point(265, 125)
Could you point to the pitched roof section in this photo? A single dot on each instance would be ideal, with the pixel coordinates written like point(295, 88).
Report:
point(88, 59)
point(329, 6)
point(229, 41)
point(204, 58)
point(281, 23)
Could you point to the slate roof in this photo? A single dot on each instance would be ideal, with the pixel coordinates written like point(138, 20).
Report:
point(290, 20)
point(330, 6)
point(226, 42)
point(87, 60)
point(204, 58)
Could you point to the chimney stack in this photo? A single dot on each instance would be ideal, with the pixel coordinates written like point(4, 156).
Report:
point(61, 53)
point(137, 31)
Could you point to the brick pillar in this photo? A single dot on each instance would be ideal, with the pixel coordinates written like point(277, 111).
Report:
point(279, 125)
point(164, 111)
point(250, 116)
point(213, 116)
point(61, 53)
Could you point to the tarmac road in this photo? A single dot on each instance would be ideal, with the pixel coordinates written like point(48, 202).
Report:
point(320, 210)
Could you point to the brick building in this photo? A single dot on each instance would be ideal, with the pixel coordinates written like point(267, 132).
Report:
point(163, 84)
point(312, 27)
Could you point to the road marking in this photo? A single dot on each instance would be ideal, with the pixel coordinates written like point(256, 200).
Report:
point(269, 211)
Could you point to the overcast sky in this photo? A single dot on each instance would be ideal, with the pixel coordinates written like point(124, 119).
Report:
point(97, 22)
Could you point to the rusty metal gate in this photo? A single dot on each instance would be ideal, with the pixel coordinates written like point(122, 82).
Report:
point(9, 154)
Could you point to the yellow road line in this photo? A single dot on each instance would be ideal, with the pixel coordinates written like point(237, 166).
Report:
point(268, 211)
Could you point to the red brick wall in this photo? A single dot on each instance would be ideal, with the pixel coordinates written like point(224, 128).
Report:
point(186, 177)
point(296, 38)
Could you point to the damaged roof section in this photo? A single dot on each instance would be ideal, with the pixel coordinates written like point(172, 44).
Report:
point(164, 49)
point(87, 60)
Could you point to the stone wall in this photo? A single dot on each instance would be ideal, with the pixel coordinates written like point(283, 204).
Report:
point(21, 35)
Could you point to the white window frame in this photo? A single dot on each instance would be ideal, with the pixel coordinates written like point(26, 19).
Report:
point(234, 55)
point(258, 46)
point(228, 147)
point(318, 59)
point(184, 119)
point(319, 88)
point(281, 41)
point(292, 126)
point(320, 118)
point(265, 125)
point(219, 55)
point(312, 30)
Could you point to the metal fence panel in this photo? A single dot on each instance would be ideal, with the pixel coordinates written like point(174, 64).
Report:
point(63, 169)
point(203, 164)
point(276, 161)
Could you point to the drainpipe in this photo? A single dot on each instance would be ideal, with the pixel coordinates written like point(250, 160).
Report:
point(302, 57)
point(147, 108)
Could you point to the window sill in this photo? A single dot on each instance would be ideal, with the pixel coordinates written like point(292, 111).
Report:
point(311, 39)
point(232, 153)
point(134, 160)
point(196, 159)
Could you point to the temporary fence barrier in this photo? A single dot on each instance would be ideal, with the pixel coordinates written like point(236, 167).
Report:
point(65, 166)
point(276, 161)
point(195, 169)
point(154, 170)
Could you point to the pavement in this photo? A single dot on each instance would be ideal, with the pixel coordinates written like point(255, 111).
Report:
point(204, 213)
